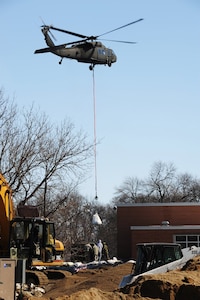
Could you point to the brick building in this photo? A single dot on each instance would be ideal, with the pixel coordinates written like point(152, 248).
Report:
point(156, 222)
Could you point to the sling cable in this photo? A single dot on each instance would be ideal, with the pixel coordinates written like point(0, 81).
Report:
point(96, 220)
point(95, 138)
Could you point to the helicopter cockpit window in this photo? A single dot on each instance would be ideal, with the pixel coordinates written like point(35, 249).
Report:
point(101, 52)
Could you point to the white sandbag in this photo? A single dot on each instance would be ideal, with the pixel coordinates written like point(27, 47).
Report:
point(96, 219)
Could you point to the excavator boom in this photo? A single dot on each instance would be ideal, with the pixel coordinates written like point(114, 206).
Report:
point(6, 215)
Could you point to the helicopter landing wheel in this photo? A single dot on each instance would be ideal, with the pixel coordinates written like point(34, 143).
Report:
point(60, 62)
point(109, 64)
point(91, 67)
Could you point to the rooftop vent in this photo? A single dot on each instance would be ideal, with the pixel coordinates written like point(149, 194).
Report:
point(165, 223)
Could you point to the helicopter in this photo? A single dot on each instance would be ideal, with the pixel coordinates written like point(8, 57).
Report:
point(89, 49)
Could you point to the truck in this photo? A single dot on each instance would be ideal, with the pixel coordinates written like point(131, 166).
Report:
point(27, 237)
point(155, 258)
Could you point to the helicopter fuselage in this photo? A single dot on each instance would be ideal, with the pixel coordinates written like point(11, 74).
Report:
point(88, 52)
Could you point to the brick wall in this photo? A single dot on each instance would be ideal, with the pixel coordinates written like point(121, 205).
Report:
point(151, 214)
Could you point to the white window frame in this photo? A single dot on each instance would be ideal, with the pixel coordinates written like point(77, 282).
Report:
point(188, 242)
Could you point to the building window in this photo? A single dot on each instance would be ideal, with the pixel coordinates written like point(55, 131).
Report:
point(187, 240)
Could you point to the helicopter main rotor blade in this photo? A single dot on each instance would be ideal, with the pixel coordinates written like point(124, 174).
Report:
point(69, 32)
point(126, 42)
point(52, 35)
point(119, 27)
point(92, 37)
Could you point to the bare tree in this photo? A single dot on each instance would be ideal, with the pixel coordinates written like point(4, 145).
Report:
point(73, 220)
point(162, 185)
point(37, 156)
point(161, 182)
point(129, 191)
point(188, 188)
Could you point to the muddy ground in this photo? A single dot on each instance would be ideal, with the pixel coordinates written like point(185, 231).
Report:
point(102, 284)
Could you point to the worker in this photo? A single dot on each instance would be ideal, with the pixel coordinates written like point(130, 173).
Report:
point(100, 247)
point(33, 237)
point(96, 252)
point(36, 234)
point(105, 251)
point(33, 241)
point(89, 252)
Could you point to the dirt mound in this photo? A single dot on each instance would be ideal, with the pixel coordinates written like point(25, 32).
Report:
point(174, 285)
point(107, 279)
point(97, 294)
point(102, 284)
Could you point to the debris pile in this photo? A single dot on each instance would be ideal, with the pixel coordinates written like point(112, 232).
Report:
point(25, 291)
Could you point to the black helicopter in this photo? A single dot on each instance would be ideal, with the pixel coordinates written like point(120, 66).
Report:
point(88, 49)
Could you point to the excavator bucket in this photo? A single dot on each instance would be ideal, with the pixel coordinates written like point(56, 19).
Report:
point(29, 211)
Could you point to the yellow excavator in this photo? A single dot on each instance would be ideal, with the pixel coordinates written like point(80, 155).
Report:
point(26, 236)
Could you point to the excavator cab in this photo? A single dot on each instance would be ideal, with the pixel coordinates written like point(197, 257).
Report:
point(33, 239)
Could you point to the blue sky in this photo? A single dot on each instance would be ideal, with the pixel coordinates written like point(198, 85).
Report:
point(147, 104)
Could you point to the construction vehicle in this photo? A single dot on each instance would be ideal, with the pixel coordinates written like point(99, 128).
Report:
point(82, 252)
point(26, 236)
point(154, 258)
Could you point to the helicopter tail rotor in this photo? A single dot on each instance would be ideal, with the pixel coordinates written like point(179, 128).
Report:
point(47, 28)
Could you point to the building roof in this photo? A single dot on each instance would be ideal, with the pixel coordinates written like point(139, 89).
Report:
point(165, 227)
point(159, 204)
